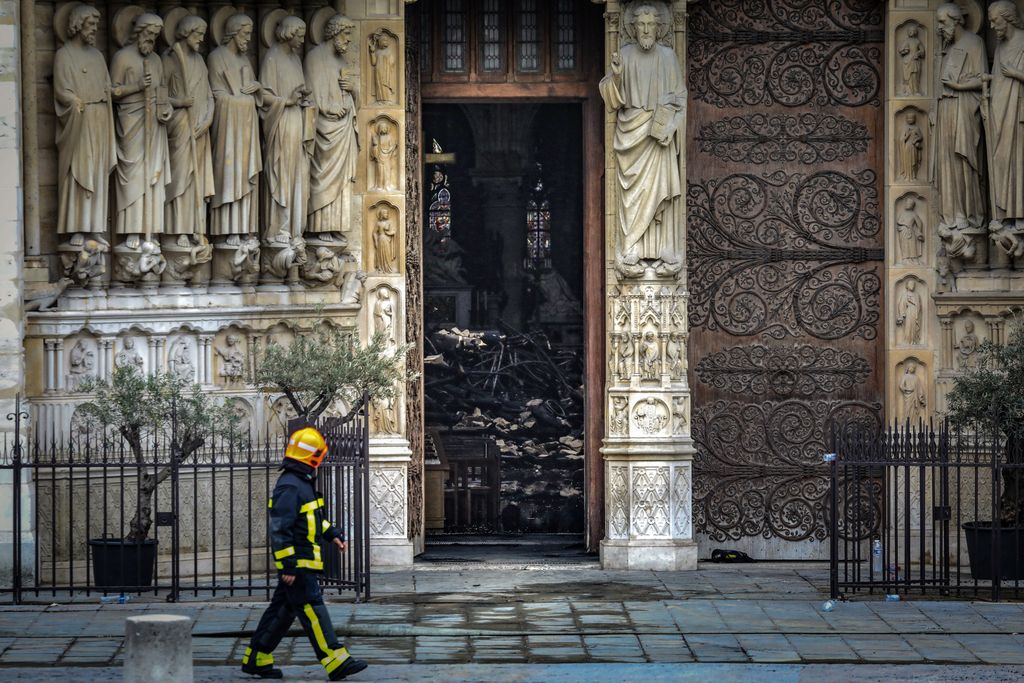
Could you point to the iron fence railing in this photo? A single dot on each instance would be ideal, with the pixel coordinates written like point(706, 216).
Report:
point(72, 502)
point(925, 511)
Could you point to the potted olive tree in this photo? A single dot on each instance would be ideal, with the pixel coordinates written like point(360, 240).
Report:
point(329, 364)
point(173, 417)
point(989, 399)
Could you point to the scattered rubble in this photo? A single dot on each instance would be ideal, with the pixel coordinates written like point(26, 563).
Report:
point(528, 397)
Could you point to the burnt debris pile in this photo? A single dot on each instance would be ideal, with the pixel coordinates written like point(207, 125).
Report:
point(526, 396)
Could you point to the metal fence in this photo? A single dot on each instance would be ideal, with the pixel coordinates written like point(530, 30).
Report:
point(73, 502)
point(926, 511)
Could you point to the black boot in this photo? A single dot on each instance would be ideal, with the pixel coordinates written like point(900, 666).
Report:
point(349, 667)
point(265, 671)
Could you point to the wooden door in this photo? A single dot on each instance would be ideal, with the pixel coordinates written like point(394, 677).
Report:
point(785, 258)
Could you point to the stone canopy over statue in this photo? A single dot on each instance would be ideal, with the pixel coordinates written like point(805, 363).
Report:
point(646, 90)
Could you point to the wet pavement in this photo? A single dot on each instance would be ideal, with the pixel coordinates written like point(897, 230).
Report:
point(523, 625)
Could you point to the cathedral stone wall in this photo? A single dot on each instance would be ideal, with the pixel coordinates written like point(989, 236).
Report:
point(207, 179)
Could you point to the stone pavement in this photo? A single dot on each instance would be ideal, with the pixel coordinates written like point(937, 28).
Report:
point(763, 614)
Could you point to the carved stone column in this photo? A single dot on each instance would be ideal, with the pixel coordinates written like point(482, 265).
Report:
point(648, 450)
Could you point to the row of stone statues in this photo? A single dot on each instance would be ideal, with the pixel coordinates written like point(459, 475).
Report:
point(976, 102)
point(181, 138)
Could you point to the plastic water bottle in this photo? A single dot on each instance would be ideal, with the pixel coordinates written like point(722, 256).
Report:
point(828, 606)
point(876, 557)
point(892, 597)
point(115, 599)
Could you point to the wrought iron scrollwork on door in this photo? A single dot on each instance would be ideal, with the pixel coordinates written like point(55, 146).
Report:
point(772, 255)
point(762, 473)
point(807, 138)
point(787, 52)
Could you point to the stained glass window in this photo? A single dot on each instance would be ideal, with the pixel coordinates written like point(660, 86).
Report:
point(454, 35)
point(564, 20)
point(439, 213)
point(538, 227)
point(492, 43)
point(528, 36)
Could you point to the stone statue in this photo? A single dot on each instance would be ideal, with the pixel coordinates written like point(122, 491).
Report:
point(235, 134)
point(674, 354)
point(145, 263)
point(558, 300)
point(443, 266)
point(384, 419)
point(81, 364)
point(967, 348)
point(959, 164)
point(626, 350)
point(87, 264)
point(336, 144)
point(324, 268)
point(650, 416)
point(384, 154)
point(232, 367)
point(188, 131)
point(680, 415)
point(281, 412)
point(246, 259)
point(912, 393)
point(945, 278)
point(911, 148)
point(85, 126)
point(385, 242)
point(142, 109)
point(912, 57)
point(909, 232)
point(908, 315)
point(352, 287)
point(384, 315)
point(619, 423)
point(1006, 168)
point(180, 363)
point(650, 356)
point(287, 135)
point(384, 61)
point(645, 88)
point(128, 356)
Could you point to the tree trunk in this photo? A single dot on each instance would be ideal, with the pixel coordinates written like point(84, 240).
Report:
point(1011, 500)
point(142, 522)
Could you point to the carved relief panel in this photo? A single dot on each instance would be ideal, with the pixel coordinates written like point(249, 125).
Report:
point(785, 247)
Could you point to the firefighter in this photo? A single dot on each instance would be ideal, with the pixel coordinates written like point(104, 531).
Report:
point(297, 526)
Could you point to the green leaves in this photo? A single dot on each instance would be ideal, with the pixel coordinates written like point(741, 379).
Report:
point(990, 396)
point(159, 405)
point(317, 369)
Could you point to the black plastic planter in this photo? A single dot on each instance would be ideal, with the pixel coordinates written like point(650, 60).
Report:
point(117, 563)
point(979, 549)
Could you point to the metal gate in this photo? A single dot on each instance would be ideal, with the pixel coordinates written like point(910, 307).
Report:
point(210, 513)
point(785, 259)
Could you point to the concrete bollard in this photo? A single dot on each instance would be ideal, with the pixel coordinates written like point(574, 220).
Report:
point(158, 648)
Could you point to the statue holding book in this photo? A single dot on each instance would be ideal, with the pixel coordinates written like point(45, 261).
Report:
point(646, 90)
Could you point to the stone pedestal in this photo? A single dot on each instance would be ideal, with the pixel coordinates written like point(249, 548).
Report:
point(648, 506)
point(390, 545)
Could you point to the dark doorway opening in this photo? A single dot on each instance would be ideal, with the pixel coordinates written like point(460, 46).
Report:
point(504, 326)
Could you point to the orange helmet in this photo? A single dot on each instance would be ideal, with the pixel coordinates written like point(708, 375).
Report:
point(307, 446)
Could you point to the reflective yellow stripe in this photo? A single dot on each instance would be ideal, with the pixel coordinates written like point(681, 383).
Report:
point(325, 525)
point(318, 633)
point(270, 502)
point(312, 505)
point(264, 659)
point(245, 657)
point(279, 565)
point(336, 659)
point(309, 564)
point(287, 552)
